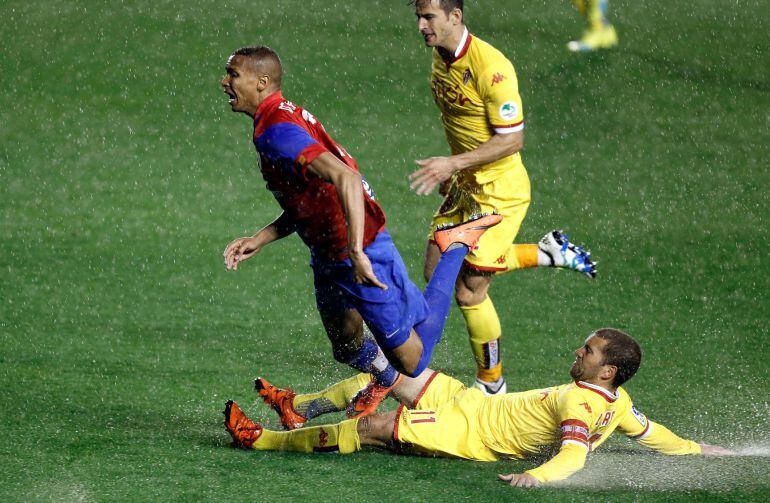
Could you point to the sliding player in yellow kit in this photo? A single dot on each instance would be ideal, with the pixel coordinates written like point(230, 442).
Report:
point(439, 416)
point(476, 90)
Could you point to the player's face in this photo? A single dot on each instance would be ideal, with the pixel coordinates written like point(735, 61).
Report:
point(240, 84)
point(435, 25)
point(589, 359)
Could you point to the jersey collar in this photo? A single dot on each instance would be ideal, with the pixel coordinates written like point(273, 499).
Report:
point(267, 103)
point(462, 48)
point(610, 397)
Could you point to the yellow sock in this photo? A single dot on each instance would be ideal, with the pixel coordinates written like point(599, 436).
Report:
point(333, 399)
point(594, 13)
point(341, 437)
point(484, 330)
point(520, 256)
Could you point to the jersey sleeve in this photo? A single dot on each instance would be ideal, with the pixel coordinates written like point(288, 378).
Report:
point(635, 425)
point(288, 141)
point(499, 89)
point(574, 417)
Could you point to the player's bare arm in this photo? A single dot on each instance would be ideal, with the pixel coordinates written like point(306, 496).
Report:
point(348, 183)
point(436, 170)
point(244, 248)
point(519, 479)
point(715, 450)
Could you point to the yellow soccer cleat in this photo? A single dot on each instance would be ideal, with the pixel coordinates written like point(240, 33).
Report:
point(595, 39)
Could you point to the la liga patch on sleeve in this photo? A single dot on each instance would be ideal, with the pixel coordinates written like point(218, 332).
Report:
point(508, 111)
point(639, 416)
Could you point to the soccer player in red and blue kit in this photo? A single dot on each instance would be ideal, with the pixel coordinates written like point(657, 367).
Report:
point(358, 274)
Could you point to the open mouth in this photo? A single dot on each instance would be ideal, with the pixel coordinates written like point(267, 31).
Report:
point(231, 95)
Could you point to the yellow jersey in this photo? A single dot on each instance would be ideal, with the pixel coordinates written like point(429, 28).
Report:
point(579, 416)
point(477, 93)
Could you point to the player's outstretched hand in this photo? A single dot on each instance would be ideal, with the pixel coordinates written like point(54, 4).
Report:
point(519, 480)
point(363, 274)
point(432, 172)
point(715, 450)
point(239, 250)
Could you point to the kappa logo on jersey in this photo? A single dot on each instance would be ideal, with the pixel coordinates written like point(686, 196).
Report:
point(509, 110)
point(466, 77)
point(497, 78)
point(500, 259)
point(323, 438)
point(639, 416)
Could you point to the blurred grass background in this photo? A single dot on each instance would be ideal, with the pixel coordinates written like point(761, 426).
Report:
point(123, 175)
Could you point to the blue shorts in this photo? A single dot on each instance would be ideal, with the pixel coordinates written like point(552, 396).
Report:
point(390, 314)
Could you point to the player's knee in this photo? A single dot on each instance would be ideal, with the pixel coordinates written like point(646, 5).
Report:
point(466, 297)
point(472, 288)
point(377, 429)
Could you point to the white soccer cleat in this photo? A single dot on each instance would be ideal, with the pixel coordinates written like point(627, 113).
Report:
point(491, 388)
point(565, 254)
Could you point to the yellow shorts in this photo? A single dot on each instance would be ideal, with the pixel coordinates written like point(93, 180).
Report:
point(508, 195)
point(444, 422)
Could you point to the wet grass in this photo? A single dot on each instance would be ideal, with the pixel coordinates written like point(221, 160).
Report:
point(123, 175)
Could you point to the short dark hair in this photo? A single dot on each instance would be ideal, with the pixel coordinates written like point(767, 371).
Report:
point(262, 53)
point(446, 5)
point(621, 351)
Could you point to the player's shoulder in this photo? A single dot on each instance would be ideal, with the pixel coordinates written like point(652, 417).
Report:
point(484, 55)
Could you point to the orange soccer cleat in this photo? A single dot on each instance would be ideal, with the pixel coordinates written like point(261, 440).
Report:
point(281, 400)
point(466, 233)
point(243, 430)
point(368, 398)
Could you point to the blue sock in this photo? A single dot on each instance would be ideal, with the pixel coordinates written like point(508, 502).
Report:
point(438, 295)
point(372, 360)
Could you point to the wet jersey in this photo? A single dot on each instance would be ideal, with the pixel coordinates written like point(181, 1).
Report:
point(288, 139)
point(477, 93)
point(577, 416)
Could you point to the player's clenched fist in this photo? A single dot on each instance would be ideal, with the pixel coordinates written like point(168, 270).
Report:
point(238, 250)
point(520, 480)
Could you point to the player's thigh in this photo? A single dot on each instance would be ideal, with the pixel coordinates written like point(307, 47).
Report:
point(504, 197)
point(433, 389)
point(449, 430)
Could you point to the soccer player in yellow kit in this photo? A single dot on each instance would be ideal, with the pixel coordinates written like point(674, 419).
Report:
point(599, 32)
point(476, 90)
point(439, 416)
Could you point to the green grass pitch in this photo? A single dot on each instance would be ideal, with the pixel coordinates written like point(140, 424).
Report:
point(123, 175)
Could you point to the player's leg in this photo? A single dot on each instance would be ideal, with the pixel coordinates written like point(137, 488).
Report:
point(599, 33)
point(408, 323)
point(553, 250)
point(345, 328)
point(341, 437)
point(294, 409)
point(345, 331)
point(484, 329)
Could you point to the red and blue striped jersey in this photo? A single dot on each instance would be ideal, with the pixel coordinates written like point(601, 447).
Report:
point(288, 139)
